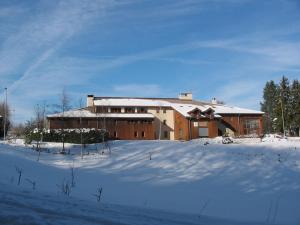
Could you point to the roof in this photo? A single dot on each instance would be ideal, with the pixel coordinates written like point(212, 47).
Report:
point(77, 113)
point(182, 106)
point(131, 102)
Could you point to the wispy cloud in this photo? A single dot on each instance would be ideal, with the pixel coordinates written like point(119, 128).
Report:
point(33, 48)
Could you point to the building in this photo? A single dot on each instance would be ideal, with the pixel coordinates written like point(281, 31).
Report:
point(179, 118)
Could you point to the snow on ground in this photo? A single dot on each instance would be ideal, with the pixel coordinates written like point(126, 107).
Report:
point(19, 206)
point(247, 181)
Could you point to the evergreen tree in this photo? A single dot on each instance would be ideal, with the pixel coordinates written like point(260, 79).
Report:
point(268, 106)
point(295, 107)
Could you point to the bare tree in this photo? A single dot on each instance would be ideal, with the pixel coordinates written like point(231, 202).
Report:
point(98, 194)
point(80, 122)
point(63, 106)
point(65, 187)
point(19, 171)
point(40, 122)
point(73, 176)
point(33, 183)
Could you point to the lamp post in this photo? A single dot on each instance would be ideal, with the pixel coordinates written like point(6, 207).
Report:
point(5, 115)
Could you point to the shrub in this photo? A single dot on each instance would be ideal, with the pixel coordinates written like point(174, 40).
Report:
point(89, 136)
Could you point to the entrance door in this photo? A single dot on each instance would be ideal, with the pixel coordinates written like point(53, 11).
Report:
point(203, 132)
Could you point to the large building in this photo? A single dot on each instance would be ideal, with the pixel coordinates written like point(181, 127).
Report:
point(179, 118)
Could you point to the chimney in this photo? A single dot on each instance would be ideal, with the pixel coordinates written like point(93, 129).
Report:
point(90, 101)
point(214, 101)
point(185, 96)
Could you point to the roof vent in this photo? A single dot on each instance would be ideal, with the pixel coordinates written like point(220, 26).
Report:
point(185, 96)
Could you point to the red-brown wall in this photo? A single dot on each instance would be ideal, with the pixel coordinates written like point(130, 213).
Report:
point(125, 129)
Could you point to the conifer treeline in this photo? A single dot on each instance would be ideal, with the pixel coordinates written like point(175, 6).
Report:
point(281, 104)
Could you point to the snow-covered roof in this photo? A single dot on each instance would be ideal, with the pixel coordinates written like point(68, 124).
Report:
point(131, 102)
point(183, 107)
point(77, 113)
point(225, 109)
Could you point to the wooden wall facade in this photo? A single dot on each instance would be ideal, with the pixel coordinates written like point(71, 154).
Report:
point(117, 128)
point(145, 129)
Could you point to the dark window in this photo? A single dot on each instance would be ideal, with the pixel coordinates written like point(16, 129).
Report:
point(135, 134)
point(142, 110)
point(157, 110)
point(129, 110)
point(101, 109)
point(115, 134)
point(166, 134)
point(143, 134)
point(164, 111)
point(165, 122)
point(115, 110)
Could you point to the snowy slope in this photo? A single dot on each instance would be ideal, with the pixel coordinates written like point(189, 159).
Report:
point(250, 181)
point(24, 207)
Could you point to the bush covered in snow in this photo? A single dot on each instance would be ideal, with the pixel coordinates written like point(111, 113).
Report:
point(89, 136)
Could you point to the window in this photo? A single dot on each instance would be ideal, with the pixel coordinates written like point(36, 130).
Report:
point(115, 110)
point(166, 134)
point(143, 134)
point(203, 132)
point(180, 133)
point(135, 134)
point(115, 134)
point(165, 122)
point(157, 110)
point(203, 124)
point(129, 110)
point(101, 109)
point(251, 126)
point(142, 110)
point(164, 111)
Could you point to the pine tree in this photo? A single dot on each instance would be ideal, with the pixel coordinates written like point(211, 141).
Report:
point(282, 108)
point(295, 107)
point(268, 106)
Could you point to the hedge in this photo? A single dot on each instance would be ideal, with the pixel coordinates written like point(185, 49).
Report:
point(89, 136)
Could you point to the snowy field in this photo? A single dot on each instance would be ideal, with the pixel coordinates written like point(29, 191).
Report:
point(250, 181)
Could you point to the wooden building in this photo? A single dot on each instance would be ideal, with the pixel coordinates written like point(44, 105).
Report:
point(179, 118)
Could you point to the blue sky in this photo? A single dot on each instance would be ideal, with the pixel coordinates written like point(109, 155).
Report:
point(214, 48)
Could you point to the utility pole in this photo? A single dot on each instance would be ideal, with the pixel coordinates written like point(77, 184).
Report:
point(5, 115)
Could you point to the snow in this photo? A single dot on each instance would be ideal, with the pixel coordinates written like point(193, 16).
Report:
point(182, 107)
point(225, 109)
point(131, 102)
point(77, 113)
point(191, 182)
point(21, 206)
